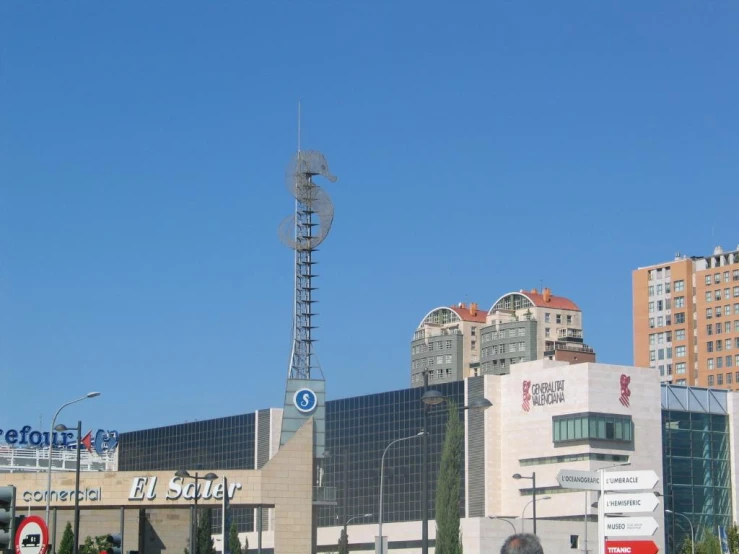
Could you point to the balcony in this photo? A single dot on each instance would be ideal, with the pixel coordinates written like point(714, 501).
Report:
point(570, 334)
point(568, 346)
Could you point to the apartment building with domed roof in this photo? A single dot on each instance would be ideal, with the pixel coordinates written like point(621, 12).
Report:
point(452, 343)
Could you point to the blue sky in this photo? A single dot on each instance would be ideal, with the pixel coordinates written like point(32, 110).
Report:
point(481, 147)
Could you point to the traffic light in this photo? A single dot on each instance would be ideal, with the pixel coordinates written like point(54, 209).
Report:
point(7, 518)
point(115, 543)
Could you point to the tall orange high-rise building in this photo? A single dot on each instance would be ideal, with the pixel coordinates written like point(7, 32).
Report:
point(686, 319)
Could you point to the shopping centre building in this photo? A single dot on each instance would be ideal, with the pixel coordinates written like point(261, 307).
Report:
point(546, 416)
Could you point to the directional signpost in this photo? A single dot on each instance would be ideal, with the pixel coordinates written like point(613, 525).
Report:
point(619, 496)
point(630, 526)
point(631, 547)
point(636, 502)
point(630, 480)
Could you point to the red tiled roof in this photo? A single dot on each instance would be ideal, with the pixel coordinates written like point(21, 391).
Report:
point(465, 314)
point(555, 302)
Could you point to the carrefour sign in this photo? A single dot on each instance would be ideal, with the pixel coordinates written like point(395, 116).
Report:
point(103, 441)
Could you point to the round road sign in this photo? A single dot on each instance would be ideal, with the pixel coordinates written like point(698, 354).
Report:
point(32, 536)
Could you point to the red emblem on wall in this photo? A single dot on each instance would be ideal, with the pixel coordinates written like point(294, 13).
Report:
point(625, 392)
point(526, 396)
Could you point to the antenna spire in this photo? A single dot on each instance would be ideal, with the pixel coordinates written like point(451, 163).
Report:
point(298, 125)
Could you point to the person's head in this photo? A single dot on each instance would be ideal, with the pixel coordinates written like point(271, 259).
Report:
point(523, 543)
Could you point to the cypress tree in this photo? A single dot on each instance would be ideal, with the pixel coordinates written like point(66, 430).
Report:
point(448, 497)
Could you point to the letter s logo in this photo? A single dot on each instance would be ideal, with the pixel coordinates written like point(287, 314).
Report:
point(305, 400)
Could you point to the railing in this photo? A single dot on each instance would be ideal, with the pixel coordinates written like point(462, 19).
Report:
point(570, 347)
point(569, 333)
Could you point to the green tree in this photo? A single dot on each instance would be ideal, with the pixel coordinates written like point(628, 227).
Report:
point(448, 496)
point(204, 539)
point(343, 542)
point(94, 546)
point(67, 544)
point(732, 533)
point(234, 544)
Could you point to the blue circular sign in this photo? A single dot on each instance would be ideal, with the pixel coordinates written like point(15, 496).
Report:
point(305, 400)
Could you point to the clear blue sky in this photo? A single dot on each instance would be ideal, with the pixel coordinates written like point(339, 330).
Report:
point(480, 148)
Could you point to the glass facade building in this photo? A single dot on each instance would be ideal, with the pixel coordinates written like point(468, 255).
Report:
point(697, 461)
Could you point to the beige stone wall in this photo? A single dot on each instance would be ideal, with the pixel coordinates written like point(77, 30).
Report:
point(285, 483)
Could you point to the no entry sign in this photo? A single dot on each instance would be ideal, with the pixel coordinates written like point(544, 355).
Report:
point(32, 536)
point(631, 547)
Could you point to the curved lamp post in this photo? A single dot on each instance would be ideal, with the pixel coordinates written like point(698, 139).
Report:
point(183, 474)
point(51, 446)
point(692, 535)
point(508, 521)
point(348, 521)
point(429, 399)
point(382, 484)
point(62, 427)
point(526, 506)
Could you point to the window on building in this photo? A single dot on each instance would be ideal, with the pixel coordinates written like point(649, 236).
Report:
point(569, 317)
point(660, 305)
point(668, 303)
point(548, 316)
point(736, 309)
point(709, 329)
point(659, 290)
point(727, 294)
point(709, 346)
point(736, 326)
point(719, 346)
point(735, 274)
point(710, 380)
point(521, 331)
point(548, 332)
point(559, 319)
point(651, 293)
point(728, 378)
point(473, 345)
point(661, 371)
point(667, 287)
point(660, 321)
point(660, 338)
point(680, 302)
point(680, 317)
point(679, 285)
point(717, 278)
point(736, 343)
point(720, 379)
point(661, 354)
point(669, 369)
point(680, 368)
point(680, 334)
point(668, 352)
point(668, 336)
point(726, 276)
point(709, 296)
point(717, 294)
point(718, 328)
point(473, 331)
point(729, 361)
point(651, 326)
point(709, 313)
point(448, 345)
point(710, 363)
point(679, 351)
point(651, 339)
point(727, 310)
point(652, 356)
point(708, 280)
point(448, 359)
point(589, 425)
point(727, 344)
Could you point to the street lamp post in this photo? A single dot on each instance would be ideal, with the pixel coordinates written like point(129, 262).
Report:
point(508, 521)
point(382, 484)
point(523, 521)
point(348, 521)
point(51, 446)
point(183, 474)
point(533, 487)
point(75, 548)
point(429, 399)
point(692, 535)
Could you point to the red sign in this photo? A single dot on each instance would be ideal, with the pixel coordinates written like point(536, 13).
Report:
point(32, 536)
point(631, 547)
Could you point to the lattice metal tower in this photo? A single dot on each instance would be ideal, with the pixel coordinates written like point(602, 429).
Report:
point(303, 232)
